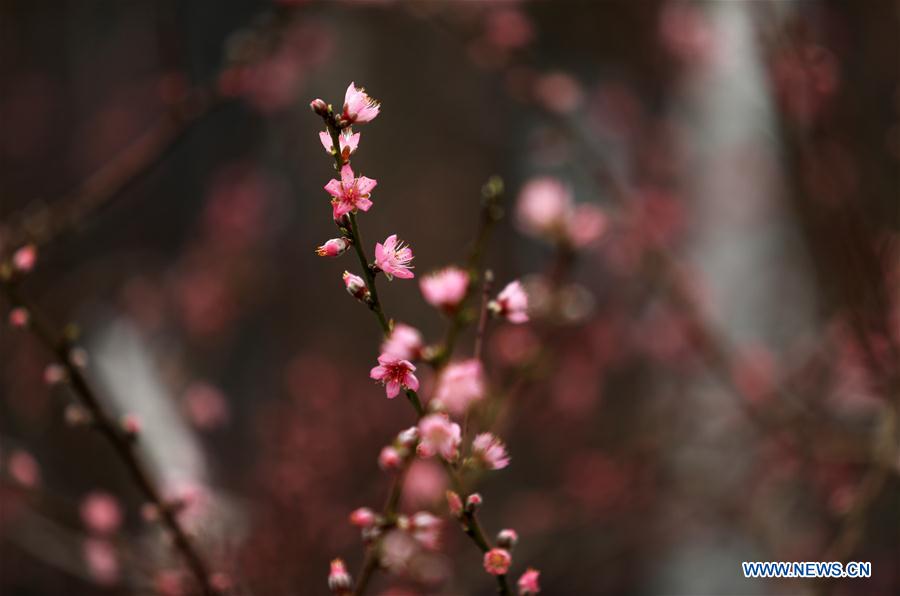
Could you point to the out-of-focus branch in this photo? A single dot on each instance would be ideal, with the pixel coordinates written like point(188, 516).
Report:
point(120, 439)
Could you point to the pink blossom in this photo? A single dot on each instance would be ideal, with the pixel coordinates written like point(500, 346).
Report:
point(356, 286)
point(497, 561)
point(528, 582)
point(490, 451)
point(333, 248)
point(404, 342)
point(102, 561)
point(543, 206)
point(339, 580)
point(358, 106)
point(18, 317)
point(362, 517)
point(460, 384)
point(54, 374)
point(24, 259)
point(206, 406)
point(439, 436)
point(512, 303)
point(350, 193)
point(389, 458)
point(394, 373)
point(347, 139)
point(446, 288)
point(393, 258)
point(425, 483)
point(587, 224)
point(101, 513)
point(24, 469)
point(426, 529)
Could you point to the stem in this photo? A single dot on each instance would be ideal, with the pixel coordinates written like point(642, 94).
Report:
point(483, 317)
point(122, 444)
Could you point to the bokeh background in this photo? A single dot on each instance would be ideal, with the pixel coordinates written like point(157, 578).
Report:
point(715, 378)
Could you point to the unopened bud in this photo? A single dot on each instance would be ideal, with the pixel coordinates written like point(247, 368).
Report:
point(319, 107)
point(356, 286)
point(76, 415)
point(389, 458)
point(507, 538)
point(362, 517)
point(23, 260)
point(19, 317)
point(333, 248)
point(54, 374)
point(78, 357)
point(473, 502)
point(131, 425)
point(454, 503)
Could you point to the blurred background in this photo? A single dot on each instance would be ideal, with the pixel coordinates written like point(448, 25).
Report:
point(703, 199)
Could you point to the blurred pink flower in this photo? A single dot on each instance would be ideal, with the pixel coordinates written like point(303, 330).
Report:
point(389, 458)
point(454, 503)
point(362, 517)
point(393, 258)
point(101, 513)
point(528, 582)
point(497, 561)
point(512, 303)
point(459, 385)
point(18, 317)
point(490, 451)
point(102, 560)
point(394, 373)
point(24, 259)
point(425, 483)
point(350, 193)
point(438, 435)
point(543, 206)
point(358, 106)
point(558, 92)
point(404, 342)
point(508, 28)
point(426, 529)
point(24, 469)
point(587, 224)
point(446, 288)
point(206, 406)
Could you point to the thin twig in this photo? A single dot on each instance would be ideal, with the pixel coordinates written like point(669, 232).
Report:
point(121, 441)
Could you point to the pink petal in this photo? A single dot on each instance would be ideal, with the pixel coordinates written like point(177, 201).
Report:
point(364, 204)
point(365, 185)
point(326, 141)
point(411, 381)
point(403, 273)
point(347, 176)
point(392, 389)
point(377, 373)
point(334, 188)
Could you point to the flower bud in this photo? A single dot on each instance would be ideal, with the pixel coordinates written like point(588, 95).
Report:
point(356, 286)
point(131, 426)
point(362, 517)
point(23, 260)
point(75, 415)
point(409, 437)
point(54, 374)
point(333, 248)
point(339, 580)
point(473, 502)
point(389, 458)
point(19, 317)
point(78, 357)
point(507, 538)
point(454, 503)
point(319, 107)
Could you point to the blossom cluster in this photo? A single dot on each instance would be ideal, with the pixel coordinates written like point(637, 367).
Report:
point(393, 537)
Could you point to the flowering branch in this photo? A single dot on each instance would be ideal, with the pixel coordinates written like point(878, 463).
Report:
point(122, 436)
point(434, 435)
